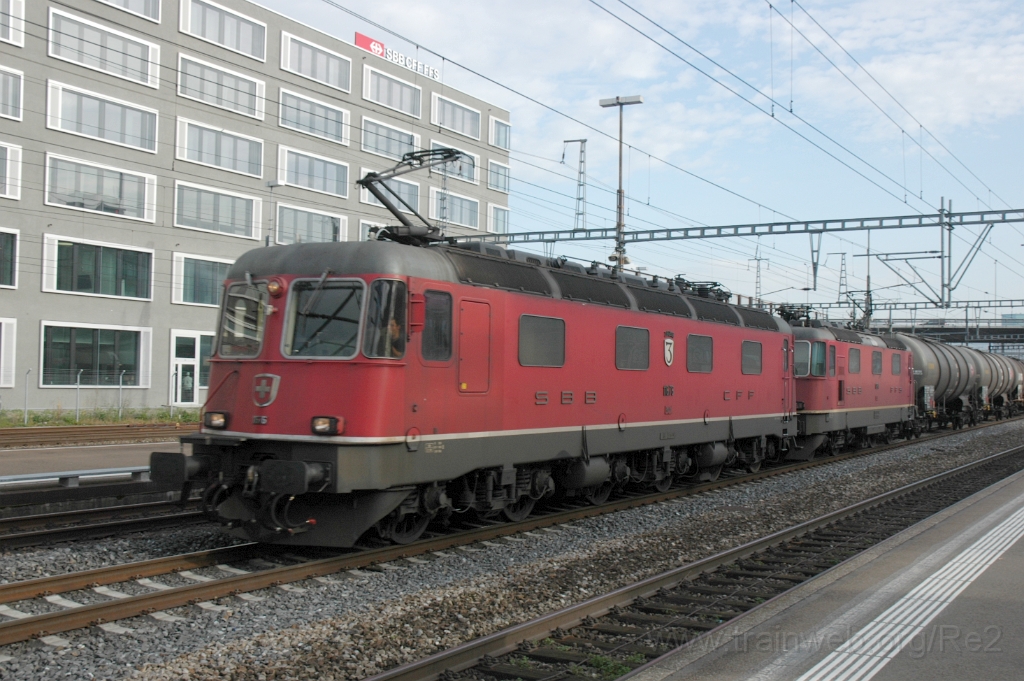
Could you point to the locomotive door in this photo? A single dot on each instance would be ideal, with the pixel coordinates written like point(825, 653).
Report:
point(474, 346)
point(787, 382)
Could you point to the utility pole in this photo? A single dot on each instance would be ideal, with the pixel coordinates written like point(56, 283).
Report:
point(757, 281)
point(580, 219)
point(619, 257)
point(867, 292)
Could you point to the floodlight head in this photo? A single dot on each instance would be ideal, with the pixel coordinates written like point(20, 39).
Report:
point(622, 101)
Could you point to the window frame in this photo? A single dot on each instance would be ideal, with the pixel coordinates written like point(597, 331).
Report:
point(346, 117)
point(632, 328)
point(897, 364)
point(261, 87)
point(257, 210)
point(493, 129)
point(51, 264)
point(796, 364)
point(365, 196)
point(434, 191)
point(152, 58)
point(282, 170)
point(8, 351)
point(145, 353)
point(519, 343)
point(366, 91)
point(178, 280)
point(698, 371)
point(881, 363)
point(508, 176)
point(435, 115)
point(156, 20)
point(362, 141)
point(831, 360)
point(760, 358)
point(491, 207)
point(12, 172)
point(197, 336)
point(17, 27)
point(54, 108)
point(17, 257)
point(286, 52)
point(451, 328)
point(181, 145)
point(21, 93)
point(476, 163)
point(185, 26)
point(342, 226)
point(364, 228)
point(849, 361)
point(149, 202)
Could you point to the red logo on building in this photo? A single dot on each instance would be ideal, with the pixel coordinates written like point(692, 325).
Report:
point(369, 44)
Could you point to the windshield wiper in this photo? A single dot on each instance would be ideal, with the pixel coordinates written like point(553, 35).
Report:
point(316, 292)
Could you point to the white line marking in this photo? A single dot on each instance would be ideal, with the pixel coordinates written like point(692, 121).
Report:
point(871, 648)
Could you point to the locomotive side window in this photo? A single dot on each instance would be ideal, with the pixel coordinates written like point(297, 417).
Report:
point(751, 358)
point(831, 360)
point(541, 341)
point(437, 328)
point(324, 319)
point(632, 348)
point(853, 363)
point(818, 358)
point(700, 354)
point(785, 355)
point(385, 320)
point(241, 329)
point(876, 363)
point(896, 362)
point(802, 358)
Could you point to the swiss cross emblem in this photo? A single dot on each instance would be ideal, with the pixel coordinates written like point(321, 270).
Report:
point(264, 389)
point(376, 48)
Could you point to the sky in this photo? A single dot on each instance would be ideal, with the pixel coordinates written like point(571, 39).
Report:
point(752, 113)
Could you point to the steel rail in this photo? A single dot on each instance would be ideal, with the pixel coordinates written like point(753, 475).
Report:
point(16, 540)
point(34, 436)
point(507, 640)
point(76, 618)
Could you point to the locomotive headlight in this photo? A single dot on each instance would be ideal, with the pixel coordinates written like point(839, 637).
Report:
point(215, 419)
point(326, 425)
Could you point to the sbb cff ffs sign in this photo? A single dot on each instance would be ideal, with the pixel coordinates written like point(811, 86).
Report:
point(377, 47)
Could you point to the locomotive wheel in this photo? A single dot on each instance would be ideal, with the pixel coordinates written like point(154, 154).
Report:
point(663, 484)
point(771, 452)
point(409, 528)
point(520, 509)
point(711, 474)
point(599, 494)
point(754, 467)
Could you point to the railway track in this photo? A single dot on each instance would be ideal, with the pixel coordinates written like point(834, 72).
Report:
point(615, 635)
point(56, 436)
point(283, 569)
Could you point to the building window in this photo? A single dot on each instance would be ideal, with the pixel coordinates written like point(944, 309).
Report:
point(95, 268)
point(392, 92)
point(465, 168)
point(198, 280)
point(700, 354)
point(309, 171)
point(437, 326)
point(364, 229)
point(10, 171)
point(384, 140)
point(632, 348)
point(314, 118)
point(213, 210)
point(501, 134)
point(95, 356)
point(12, 22)
point(88, 114)
point(221, 26)
point(11, 86)
point(541, 341)
point(853, 364)
point(210, 146)
point(408, 191)
point(80, 185)
point(876, 363)
point(148, 9)
point(301, 225)
point(100, 48)
point(498, 222)
point(751, 358)
point(896, 362)
point(456, 117)
point(220, 87)
point(455, 209)
point(498, 177)
point(315, 62)
point(8, 338)
point(190, 365)
point(8, 258)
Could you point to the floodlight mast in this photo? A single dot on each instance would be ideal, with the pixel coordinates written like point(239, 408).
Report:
point(408, 232)
point(619, 257)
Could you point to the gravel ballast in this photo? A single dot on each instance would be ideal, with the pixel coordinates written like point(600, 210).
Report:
point(350, 628)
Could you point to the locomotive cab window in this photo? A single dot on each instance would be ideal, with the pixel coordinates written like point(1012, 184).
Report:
point(324, 319)
point(853, 363)
point(385, 320)
point(243, 319)
point(541, 341)
point(700, 354)
point(751, 358)
point(876, 363)
point(818, 358)
point(437, 327)
point(896, 362)
point(632, 348)
point(802, 358)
